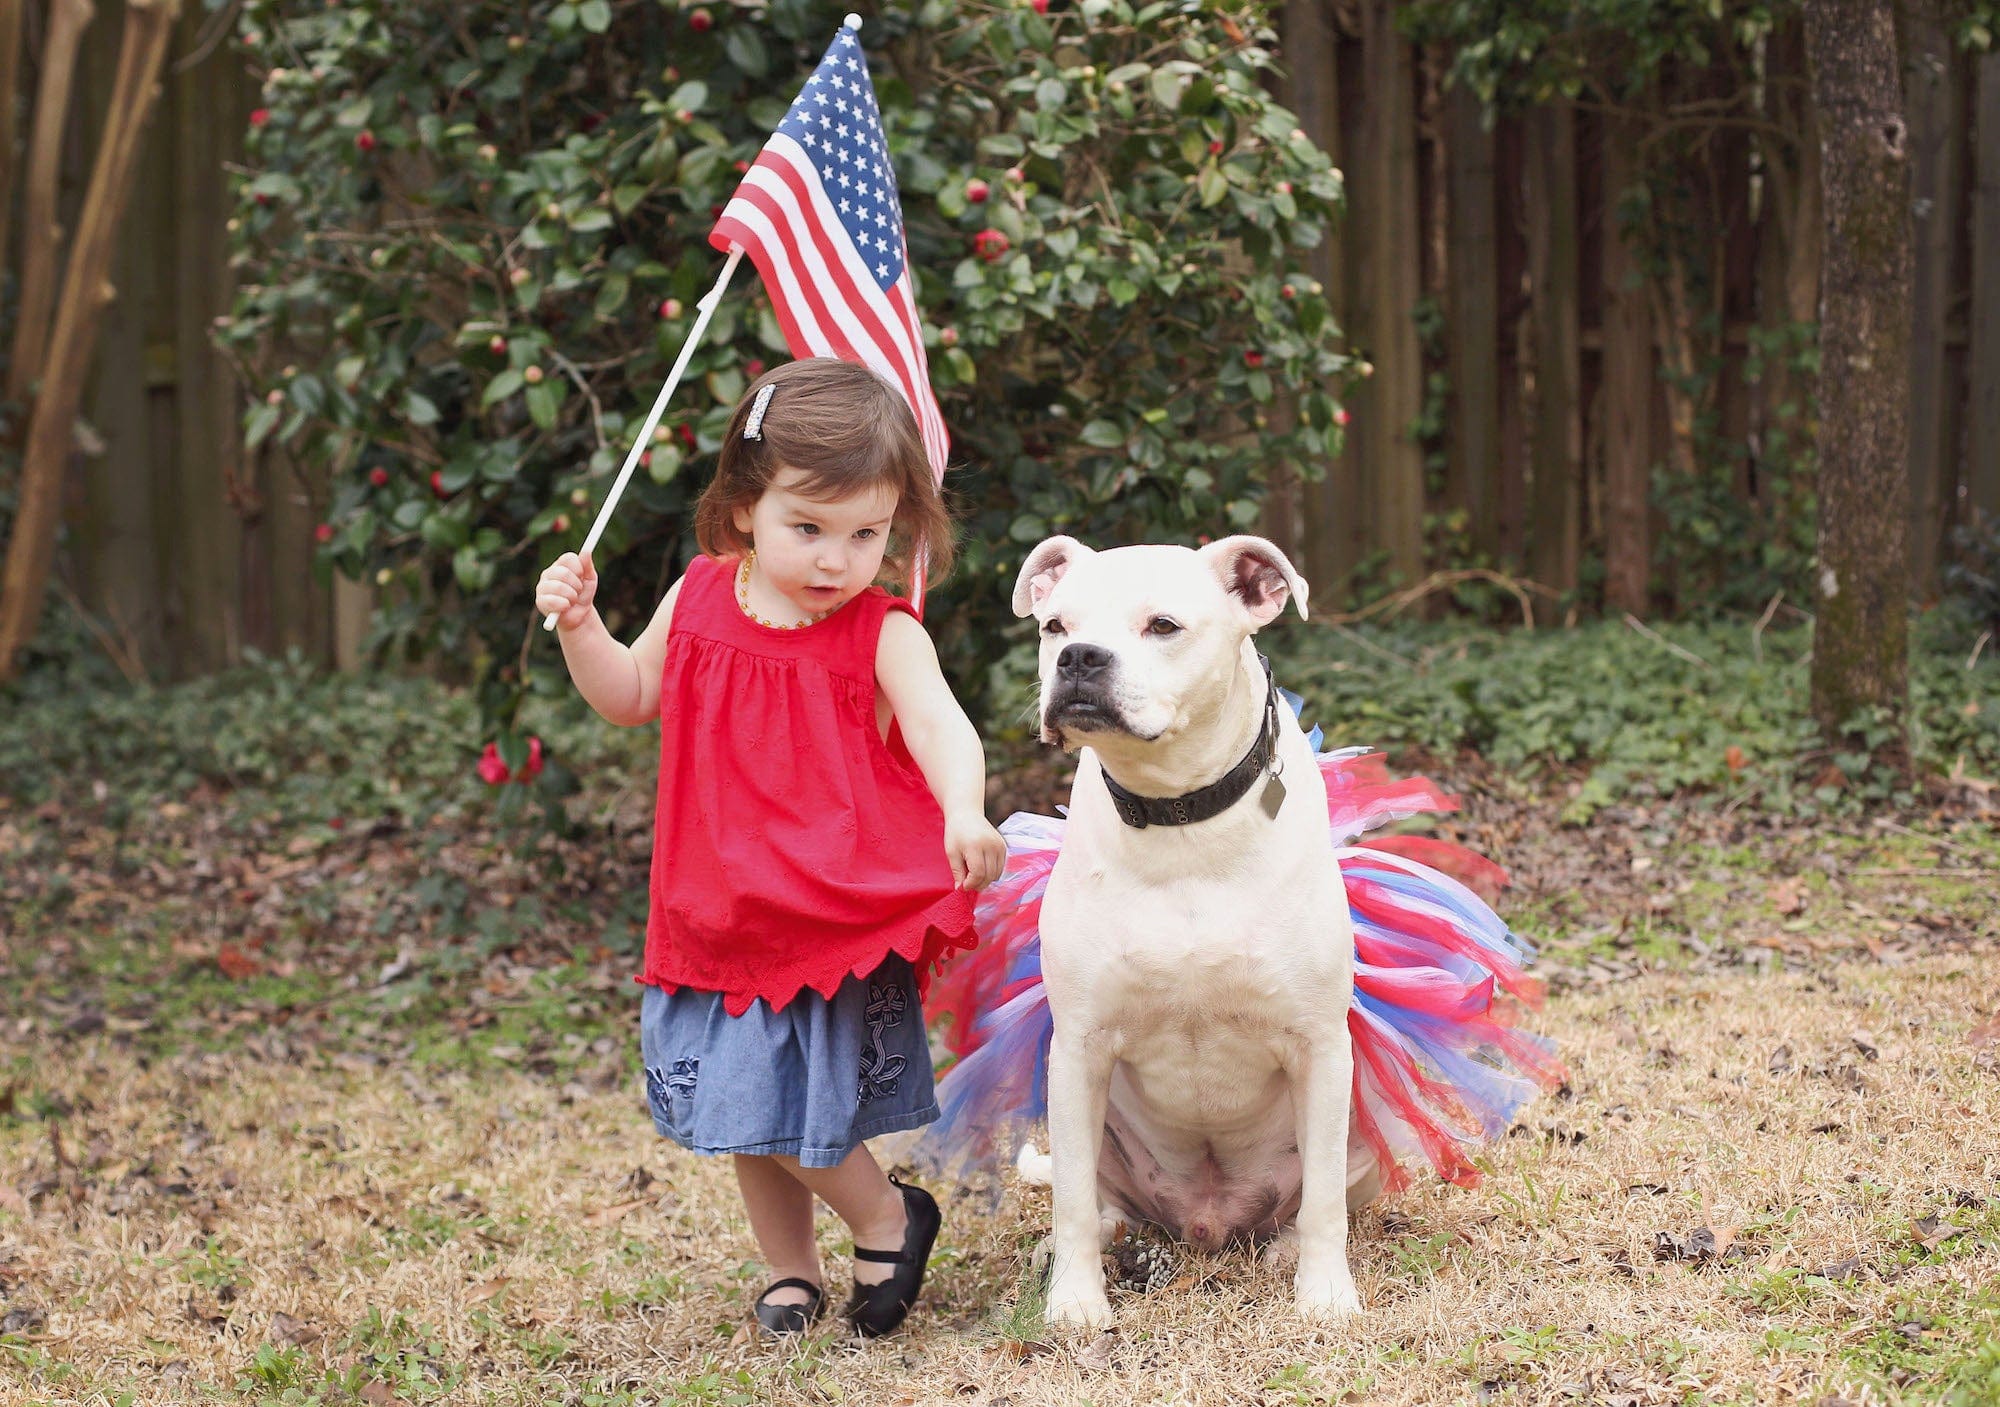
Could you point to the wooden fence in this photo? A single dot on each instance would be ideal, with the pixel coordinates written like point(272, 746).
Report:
point(184, 548)
point(1567, 362)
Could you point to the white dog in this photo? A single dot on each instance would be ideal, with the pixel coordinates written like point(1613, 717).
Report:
point(1196, 944)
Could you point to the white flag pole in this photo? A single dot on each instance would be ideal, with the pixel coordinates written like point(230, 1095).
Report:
point(707, 309)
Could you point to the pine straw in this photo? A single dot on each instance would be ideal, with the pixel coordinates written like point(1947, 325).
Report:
point(510, 1219)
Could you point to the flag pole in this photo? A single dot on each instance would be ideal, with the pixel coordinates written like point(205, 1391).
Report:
point(707, 309)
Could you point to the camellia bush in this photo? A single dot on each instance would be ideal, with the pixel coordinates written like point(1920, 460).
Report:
point(471, 237)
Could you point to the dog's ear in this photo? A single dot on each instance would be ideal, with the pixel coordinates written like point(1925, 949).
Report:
point(1043, 569)
point(1257, 575)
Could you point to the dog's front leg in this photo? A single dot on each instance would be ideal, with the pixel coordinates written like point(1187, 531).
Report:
point(1322, 1086)
point(1079, 1086)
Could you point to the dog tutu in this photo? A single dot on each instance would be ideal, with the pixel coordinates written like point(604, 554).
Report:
point(1439, 1066)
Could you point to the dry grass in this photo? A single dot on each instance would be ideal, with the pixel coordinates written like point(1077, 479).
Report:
point(213, 1228)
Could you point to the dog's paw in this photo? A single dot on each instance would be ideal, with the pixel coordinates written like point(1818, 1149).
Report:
point(1034, 1165)
point(1074, 1305)
point(1281, 1252)
point(1326, 1299)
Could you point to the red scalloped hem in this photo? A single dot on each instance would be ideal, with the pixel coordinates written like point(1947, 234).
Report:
point(924, 942)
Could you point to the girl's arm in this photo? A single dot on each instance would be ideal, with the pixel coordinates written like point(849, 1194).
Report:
point(622, 684)
point(946, 748)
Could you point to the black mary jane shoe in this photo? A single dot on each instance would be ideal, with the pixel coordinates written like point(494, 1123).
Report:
point(784, 1321)
point(880, 1309)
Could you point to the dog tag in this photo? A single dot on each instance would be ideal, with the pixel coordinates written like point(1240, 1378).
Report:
point(1274, 797)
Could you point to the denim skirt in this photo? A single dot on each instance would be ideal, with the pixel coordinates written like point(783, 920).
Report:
point(812, 1080)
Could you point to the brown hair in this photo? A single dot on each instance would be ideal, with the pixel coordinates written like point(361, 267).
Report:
point(847, 430)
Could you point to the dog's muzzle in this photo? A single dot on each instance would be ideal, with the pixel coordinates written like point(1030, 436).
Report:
point(1081, 694)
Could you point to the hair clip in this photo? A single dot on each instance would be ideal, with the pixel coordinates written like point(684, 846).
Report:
point(753, 424)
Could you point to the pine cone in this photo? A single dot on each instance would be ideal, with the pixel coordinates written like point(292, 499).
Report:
point(1141, 1263)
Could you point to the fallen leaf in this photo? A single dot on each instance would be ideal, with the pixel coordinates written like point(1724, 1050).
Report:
point(1787, 896)
point(1733, 759)
point(1780, 1062)
point(481, 1293)
point(236, 964)
point(379, 1393)
point(285, 1330)
point(607, 1215)
point(1985, 1034)
point(1100, 1352)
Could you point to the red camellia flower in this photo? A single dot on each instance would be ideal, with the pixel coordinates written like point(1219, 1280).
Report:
point(753, 368)
point(1040, 7)
point(1215, 148)
point(365, 139)
point(379, 477)
point(491, 769)
point(324, 532)
point(260, 117)
point(687, 435)
point(532, 768)
point(742, 165)
point(1253, 359)
point(989, 244)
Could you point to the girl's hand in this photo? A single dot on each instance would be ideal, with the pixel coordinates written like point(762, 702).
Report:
point(975, 849)
point(566, 590)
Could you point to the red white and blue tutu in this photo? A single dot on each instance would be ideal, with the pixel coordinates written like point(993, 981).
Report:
point(1439, 1067)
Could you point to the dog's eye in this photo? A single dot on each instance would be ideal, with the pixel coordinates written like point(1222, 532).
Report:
point(1053, 626)
point(1163, 625)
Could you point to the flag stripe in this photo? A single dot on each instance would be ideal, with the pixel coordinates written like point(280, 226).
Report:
point(793, 198)
point(819, 215)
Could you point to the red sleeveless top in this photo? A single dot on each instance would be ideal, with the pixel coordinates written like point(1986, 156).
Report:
point(792, 845)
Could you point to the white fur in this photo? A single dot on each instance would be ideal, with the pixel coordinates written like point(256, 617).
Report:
point(1198, 976)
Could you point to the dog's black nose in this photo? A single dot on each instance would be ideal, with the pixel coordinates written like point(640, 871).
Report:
point(1082, 661)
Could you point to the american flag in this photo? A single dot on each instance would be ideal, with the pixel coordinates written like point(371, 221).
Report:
point(819, 215)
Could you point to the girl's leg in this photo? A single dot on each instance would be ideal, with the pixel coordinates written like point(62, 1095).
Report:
point(861, 1195)
point(781, 1218)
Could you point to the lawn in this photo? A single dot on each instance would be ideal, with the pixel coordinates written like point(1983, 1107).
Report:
point(318, 1084)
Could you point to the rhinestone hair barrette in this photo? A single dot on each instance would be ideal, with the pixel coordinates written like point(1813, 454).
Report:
point(753, 424)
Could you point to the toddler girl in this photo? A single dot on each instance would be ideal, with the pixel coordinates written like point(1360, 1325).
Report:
point(820, 824)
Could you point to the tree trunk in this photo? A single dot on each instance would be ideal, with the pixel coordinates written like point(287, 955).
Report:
point(1556, 524)
point(1330, 507)
point(10, 93)
point(1510, 255)
point(1475, 319)
point(1860, 650)
point(1395, 258)
point(24, 575)
point(1937, 175)
point(1628, 390)
point(41, 237)
point(1982, 477)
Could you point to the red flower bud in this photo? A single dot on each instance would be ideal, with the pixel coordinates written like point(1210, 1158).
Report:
point(1253, 359)
point(491, 769)
point(948, 337)
point(670, 307)
point(1341, 417)
point(687, 435)
point(701, 21)
point(365, 140)
point(989, 244)
point(1215, 148)
point(742, 165)
point(260, 117)
point(437, 482)
point(977, 191)
point(498, 346)
point(754, 368)
point(532, 768)
point(379, 477)
point(324, 532)
point(1040, 7)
